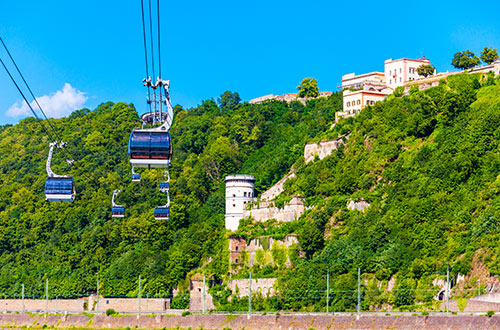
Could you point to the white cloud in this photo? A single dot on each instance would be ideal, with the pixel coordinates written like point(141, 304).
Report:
point(56, 105)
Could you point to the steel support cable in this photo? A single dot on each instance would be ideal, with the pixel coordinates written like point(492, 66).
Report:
point(152, 57)
point(159, 53)
point(25, 100)
point(34, 98)
point(159, 48)
point(146, 53)
point(54, 131)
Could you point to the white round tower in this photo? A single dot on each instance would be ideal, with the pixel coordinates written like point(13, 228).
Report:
point(239, 192)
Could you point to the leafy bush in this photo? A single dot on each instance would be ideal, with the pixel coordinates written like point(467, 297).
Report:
point(186, 313)
point(110, 311)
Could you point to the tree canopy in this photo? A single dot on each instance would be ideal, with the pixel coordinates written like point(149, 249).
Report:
point(308, 88)
point(489, 55)
point(426, 70)
point(464, 60)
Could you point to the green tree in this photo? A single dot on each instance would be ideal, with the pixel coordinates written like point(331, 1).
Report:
point(308, 88)
point(228, 101)
point(465, 60)
point(426, 70)
point(489, 55)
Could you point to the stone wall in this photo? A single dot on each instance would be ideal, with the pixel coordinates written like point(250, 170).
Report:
point(265, 286)
point(322, 149)
point(267, 210)
point(196, 295)
point(121, 305)
point(256, 322)
point(285, 97)
point(277, 188)
point(237, 245)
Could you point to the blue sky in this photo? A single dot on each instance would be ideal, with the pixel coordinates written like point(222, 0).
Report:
point(81, 53)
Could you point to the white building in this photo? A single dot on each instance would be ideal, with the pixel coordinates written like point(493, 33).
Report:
point(399, 72)
point(366, 89)
point(239, 192)
point(351, 80)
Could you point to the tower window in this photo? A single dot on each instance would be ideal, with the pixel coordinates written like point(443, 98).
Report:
point(244, 194)
point(236, 248)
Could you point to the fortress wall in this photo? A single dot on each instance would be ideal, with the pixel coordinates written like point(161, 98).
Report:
point(322, 149)
point(262, 285)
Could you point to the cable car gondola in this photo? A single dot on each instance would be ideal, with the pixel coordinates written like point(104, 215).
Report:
point(152, 147)
point(58, 188)
point(162, 213)
point(117, 211)
point(136, 177)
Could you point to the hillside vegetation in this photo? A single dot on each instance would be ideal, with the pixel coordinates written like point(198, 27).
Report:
point(428, 163)
point(73, 244)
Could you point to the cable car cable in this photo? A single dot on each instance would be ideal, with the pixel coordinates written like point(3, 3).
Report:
point(36, 101)
point(25, 100)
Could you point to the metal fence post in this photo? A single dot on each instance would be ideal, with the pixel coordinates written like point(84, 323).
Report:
point(139, 296)
point(250, 293)
point(203, 302)
point(47, 295)
point(97, 304)
point(359, 292)
point(327, 290)
point(22, 295)
point(447, 289)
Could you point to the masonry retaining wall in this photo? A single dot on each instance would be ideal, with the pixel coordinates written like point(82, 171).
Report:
point(256, 322)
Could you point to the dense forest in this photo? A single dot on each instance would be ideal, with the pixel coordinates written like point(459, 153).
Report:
point(74, 244)
point(427, 162)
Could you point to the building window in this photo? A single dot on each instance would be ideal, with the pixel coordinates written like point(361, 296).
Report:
point(348, 104)
point(409, 70)
point(359, 102)
point(245, 194)
point(236, 248)
point(107, 302)
point(390, 72)
point(234, 205)
point(234, 195)
point(400, 79)
point(236, 261)
point(390, 81)
point(400, 70)
point(367, 102)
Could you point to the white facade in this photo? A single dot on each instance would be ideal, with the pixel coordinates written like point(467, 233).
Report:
point(239, 192)
point(351, 80)
point(399, 72)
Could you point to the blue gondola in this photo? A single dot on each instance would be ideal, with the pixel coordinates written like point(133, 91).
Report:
point(164, 187)
point(162, 213)
point(150, 148)
point(60, 189)
point(118, 211)
point(136, 177)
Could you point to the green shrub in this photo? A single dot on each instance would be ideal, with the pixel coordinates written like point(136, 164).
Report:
point(186, 313)
point(110, 311)
point(425, 313)
point(490, 313)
